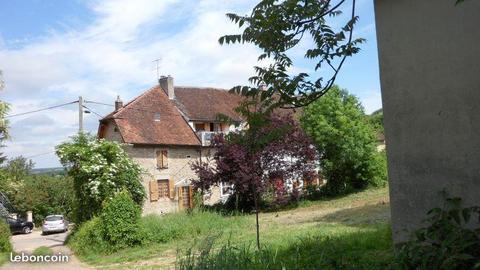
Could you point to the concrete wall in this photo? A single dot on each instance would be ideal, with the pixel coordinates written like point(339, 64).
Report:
point(429, 56)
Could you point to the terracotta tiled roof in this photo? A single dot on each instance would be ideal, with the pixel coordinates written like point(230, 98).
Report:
point(136, 120)
point(137, 125)
point(205, 104)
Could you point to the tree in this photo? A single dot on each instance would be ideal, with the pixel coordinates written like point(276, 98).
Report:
point(272, 148)
point(18, 168)
point(4, 107)
point(99, 169)
point(278, 26)
point(376, 121)
point(345, 141)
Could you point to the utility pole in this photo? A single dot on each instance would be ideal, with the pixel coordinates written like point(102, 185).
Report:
point(80, 114)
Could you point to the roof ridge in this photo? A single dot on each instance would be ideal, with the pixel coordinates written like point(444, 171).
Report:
point(202, 88)
point(135, 99)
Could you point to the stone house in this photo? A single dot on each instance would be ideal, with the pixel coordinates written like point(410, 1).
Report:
point(164, 130)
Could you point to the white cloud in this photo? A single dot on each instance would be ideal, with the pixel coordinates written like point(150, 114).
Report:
point(113, 55)
point(371, 100)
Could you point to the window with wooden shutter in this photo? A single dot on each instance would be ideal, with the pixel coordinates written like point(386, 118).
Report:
point(153, 191)
point(162, 159)
point(163, 188)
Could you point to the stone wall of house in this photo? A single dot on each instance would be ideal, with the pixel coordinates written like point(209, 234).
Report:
point(179, 160)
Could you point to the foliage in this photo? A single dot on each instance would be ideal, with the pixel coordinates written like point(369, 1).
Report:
point(99, 169)
point(345, 141)
point(89, 238)
point(42, 194)
point(281, 230)
point(46, 195)
point(18, 168)
point(450, 241)
point(4, 108)
point(274, 147)
point(43, 251)
point(376, 121)
point(5, 245)
point(276, 27)
point(365, 250)
point(117, 227)
point(162, 229)
point(120, 220)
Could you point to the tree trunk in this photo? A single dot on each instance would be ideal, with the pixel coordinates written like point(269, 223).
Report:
point(256, 219)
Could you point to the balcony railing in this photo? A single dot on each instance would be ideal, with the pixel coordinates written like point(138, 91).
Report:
point(206, 137)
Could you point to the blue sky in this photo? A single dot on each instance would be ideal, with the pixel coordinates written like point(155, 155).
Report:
point(53, 51)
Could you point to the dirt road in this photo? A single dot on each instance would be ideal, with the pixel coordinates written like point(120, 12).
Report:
point(29, 242)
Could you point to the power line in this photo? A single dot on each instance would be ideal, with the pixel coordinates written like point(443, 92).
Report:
point(39, 110)
point(126, 108)
point(90, 110)
point(41, 154)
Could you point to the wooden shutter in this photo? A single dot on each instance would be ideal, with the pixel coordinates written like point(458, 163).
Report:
point(190, 193)
point(180, 201)
point(171, 186)
point(164, 159)
point(153, 191)
point(159, 159)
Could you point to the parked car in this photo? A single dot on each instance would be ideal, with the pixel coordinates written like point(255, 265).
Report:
point(54, 223)
point(19, 225)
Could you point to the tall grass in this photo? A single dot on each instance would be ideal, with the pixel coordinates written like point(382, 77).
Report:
point(89, 242)
point(371, 249)
point(162, 229)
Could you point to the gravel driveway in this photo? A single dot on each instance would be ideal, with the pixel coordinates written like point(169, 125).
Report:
point(29, 242)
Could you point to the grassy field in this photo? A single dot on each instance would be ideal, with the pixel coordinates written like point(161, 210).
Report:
point(4, 257)
point(349, 231)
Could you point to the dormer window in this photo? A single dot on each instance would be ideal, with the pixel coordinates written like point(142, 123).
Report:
point(156, 117)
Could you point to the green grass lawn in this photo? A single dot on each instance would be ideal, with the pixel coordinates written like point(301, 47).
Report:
point(4, 257)
point(345, 232)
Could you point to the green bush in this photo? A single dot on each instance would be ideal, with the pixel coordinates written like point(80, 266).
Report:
point(89, 238)
point(5, 245)
point(99, 168)
point(120, 219)
point(448, 242)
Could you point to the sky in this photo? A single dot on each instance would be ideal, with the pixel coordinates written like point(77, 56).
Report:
point(52, 52)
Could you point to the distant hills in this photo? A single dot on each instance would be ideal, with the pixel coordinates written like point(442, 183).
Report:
point(49, 171)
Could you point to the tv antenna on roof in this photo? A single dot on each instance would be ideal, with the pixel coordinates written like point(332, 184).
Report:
point(157, 61)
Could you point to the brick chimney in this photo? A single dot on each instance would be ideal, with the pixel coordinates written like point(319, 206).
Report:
point(118, 103)
point(166, 83)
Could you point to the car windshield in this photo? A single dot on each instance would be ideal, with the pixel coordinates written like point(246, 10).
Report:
point(53, 218)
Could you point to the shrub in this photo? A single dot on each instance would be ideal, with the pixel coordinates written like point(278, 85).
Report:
point(446, 243)
point(5, 245)
point(89, 238)
point(99, 169)
point(120, 219)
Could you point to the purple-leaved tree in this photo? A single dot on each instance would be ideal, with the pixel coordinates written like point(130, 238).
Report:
point(272, 149)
